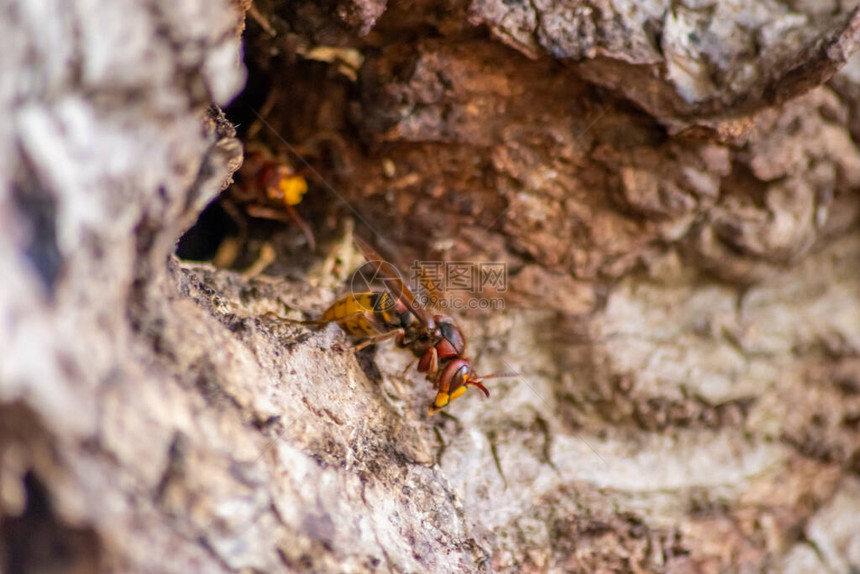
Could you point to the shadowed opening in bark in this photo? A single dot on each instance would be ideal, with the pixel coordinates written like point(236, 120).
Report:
point(33, 538)
point(218, 223)
point(292, 118)
point(200, 243)
point(36, 541)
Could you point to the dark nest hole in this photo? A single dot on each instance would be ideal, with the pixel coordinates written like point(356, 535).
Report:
point(36, 541)
point(33, 537)
point(291, 115)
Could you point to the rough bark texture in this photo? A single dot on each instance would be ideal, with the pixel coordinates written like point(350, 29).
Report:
point(674, 189)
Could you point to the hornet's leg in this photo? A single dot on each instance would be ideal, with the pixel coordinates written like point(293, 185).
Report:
point(263, 212)
point(303, 226)
point(409, 366)
point(398, 382)
point(378, 339)
point(267, 257)
point(323, 322)
point(429, 363)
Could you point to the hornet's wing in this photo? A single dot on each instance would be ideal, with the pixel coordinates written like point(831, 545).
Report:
point(392, 280)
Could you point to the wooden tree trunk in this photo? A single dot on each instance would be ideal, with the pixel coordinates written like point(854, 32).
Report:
point(672, 186)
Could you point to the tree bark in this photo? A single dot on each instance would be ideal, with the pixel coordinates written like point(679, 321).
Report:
point(672, 186)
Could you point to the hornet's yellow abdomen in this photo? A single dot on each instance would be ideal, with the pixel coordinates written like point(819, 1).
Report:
point(364, 314)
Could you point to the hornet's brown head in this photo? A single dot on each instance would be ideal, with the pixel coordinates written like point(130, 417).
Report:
point(454, 379)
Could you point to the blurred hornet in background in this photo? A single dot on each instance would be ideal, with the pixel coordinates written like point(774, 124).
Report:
point(395, 313)
point(267, 186)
